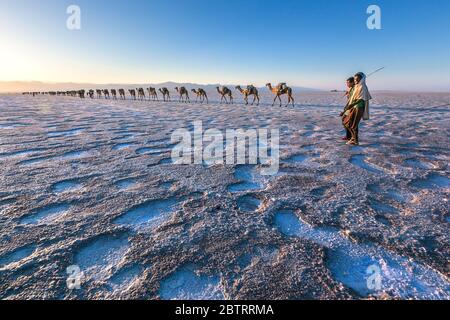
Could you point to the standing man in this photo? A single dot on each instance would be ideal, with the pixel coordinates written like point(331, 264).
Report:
point(358, 106)
point(348, 94)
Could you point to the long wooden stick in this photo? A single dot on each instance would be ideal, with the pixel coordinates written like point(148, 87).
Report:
point(378, 70)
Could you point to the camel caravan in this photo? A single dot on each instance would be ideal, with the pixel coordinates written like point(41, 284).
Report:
point(139, 94)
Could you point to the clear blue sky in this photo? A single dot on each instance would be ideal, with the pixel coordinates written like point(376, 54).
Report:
point(309, 43)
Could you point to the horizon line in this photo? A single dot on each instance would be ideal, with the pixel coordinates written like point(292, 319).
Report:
point(305, 88)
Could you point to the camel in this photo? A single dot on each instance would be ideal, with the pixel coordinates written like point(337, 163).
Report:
point(224, 91)
point(184, 94)
point(132, 94)
point(165, 92)
point(141, 94)
point(91, 94)
point(99, 93)
point(249, 91)
point(114, 94)
point(81, 93)
point(280, 90)
point(152, 94)
point(106, 93)
point(122, 94)
point(200, 94)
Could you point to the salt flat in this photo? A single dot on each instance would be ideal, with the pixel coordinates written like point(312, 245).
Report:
point(90, 183)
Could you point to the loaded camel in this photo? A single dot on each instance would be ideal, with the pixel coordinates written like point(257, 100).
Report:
point(249, 91)
point(122, 94)
point(152, 94)
point(200, 94)
point(106, 93)
point(141, 94)
point(165, 92)
point(99, 93)
point(280, 90)
point(184, 94)
point(81, 93)
point(132, 94)
point(114, 94)
point(224, 91)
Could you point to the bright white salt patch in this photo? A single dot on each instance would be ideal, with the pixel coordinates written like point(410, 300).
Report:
point(18, 154)
point(66, 186)
point(6, 203)
point(185, 284)
point(309, 148)
point(126, 277)
point(299, 158)
point(349, 263)
point(245, 260)
point(46, 214)
point(319, 192)
point(126, 184)
point(382, 207)
point(432, 181)
point(121, 137)
point(165, 161)
point(72, 155)
point(11, 126)
point(247, 175)
point(9, 258)
point(307, 134)
point(395, 195)
point(149, 213)
point(122, 146)
point(248, 203)
point(359, 160)
point(153, 151)
point(65, 133)
point(75, 155)
point(417, 164)
point(100, 255)
point(166, 185)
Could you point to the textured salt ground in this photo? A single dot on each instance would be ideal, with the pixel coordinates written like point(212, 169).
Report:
point(91, 183)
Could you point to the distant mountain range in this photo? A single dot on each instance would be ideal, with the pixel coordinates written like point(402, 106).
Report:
point(25, 86)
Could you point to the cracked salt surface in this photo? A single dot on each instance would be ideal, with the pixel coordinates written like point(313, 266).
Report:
point(125, 277)
point(122, 146)
point(72, 155)
point(126, 184)
point(185, 284)
point(133, 230)
point(65, 133)
point(299, 158)
point(359, 160)
point(417, 164)
point(248, 203)
point(19, 154)
point(152, 151)
point(97, 258)
point(248, 177)
point(349, 263)
point(46, 214)
point(148, 214)
point(8, 259)
point(66, 186)
point(432, 181)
